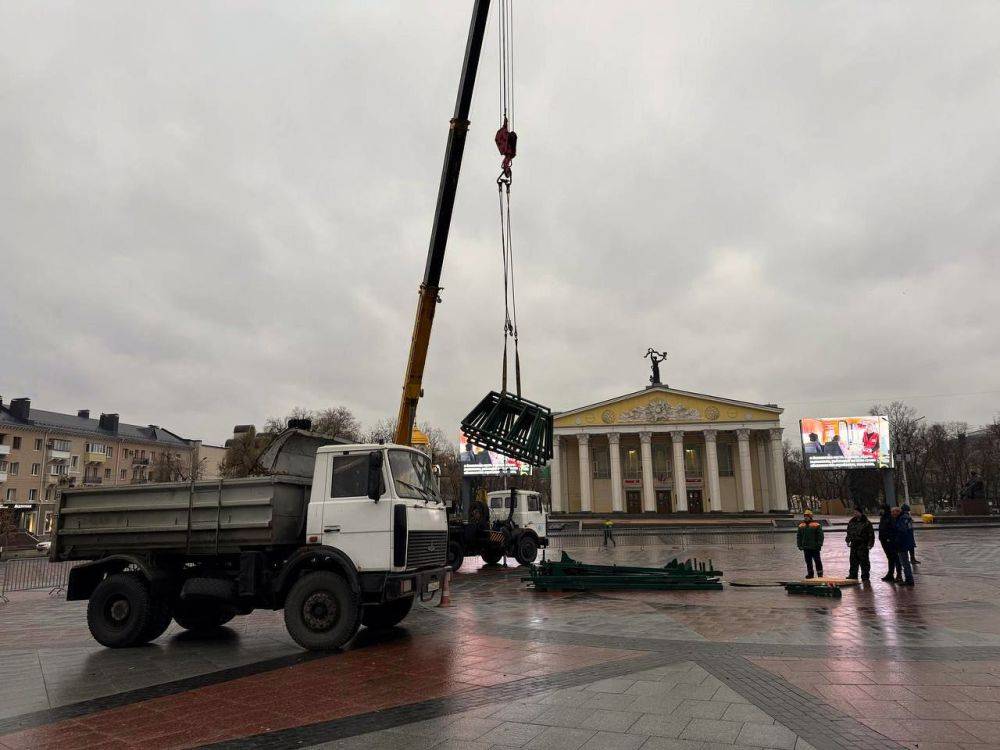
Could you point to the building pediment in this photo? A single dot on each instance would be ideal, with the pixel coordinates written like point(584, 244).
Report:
point(662, 405)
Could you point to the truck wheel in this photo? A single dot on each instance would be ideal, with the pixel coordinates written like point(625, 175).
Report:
point(381, 616)
point(321, 611)
point(456, 554)
point(120, 610)
point(159, 619)
point(492, 556)
point(202, 615)
point(526, 549)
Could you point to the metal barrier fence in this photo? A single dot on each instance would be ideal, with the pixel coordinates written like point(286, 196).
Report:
point(673, 537)
point(32, 573)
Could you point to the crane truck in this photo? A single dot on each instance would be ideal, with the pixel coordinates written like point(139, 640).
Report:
point(338, 536)
point(509, 523)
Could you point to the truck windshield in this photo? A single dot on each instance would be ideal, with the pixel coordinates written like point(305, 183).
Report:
point(412, 476)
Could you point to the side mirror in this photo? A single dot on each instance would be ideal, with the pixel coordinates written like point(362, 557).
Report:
point(375, 485)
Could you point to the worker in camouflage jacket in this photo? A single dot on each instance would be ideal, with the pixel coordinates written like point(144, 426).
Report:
point(860, 538)
point(810, 541)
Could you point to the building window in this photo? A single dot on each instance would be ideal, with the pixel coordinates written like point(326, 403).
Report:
point(38, 444)
point(95, 448)
point(74, 460)
point(59, 445)
point(107, 473)
point(49, 516)
point(32, 496)
point(36, 469)
point(16, 443)
point(123, 474)
point(725, 460)
point(602, 463)
point(661, 459)
point(11, 495)
point(633, 464)
point(109, 452)
point(15, 468)
point(692, 462)
point(58, 470)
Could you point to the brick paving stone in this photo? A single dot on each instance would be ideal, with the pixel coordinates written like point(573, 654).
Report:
point(745, 712)
point(560, 738)
point(771, 736)
point(712, 730)
point(661, 726)
point(513, 734)
point(701, 709)
point(614, 741)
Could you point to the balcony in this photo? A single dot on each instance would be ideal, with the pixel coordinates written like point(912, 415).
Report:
point(3, 476)
point(95, 457)
point(93, 480)
point(140, 461)
point(4, 450)
point(58, 455)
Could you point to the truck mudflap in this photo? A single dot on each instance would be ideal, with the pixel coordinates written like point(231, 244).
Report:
point(386, 587)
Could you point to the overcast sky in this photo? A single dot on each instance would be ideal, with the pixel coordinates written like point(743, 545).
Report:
point(211, 212)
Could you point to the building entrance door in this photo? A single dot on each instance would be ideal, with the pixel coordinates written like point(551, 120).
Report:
point(663, 501)
point(633, 501)
point(694, 501)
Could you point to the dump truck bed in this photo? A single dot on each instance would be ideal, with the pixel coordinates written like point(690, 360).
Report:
point(200, 518)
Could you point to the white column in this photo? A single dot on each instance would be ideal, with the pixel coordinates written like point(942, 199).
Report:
point(712, 458)
point(778, 471)
point(764, 466)
point(646, 451)
point(555, 476)
point(616, 472)
point(746, 478)
point(585, 473)
point(680, 479)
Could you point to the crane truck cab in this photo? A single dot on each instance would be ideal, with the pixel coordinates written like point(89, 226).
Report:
point(338, 536)
point(509, 523)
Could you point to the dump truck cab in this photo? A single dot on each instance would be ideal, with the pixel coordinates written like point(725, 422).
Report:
point(379, 504)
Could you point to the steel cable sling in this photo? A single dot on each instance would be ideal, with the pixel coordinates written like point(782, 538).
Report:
point(506, 422)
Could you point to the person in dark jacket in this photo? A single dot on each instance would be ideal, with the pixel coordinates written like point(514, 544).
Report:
point(860, 538)
point(913, 552)
point(810, 541)
point(902, 526)
point(886, 537)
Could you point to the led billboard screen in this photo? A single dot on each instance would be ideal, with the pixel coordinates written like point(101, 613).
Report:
point(476, 460)
point(846, 442)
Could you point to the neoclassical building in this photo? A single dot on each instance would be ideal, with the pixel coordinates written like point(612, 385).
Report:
point(662, 450)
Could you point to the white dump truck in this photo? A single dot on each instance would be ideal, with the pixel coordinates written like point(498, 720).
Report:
point(339, 536)
point(493, 528)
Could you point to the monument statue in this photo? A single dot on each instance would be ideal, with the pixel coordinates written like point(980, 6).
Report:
point(655, 358)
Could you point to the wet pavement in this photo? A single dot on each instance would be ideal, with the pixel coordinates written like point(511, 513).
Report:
point(883, 667)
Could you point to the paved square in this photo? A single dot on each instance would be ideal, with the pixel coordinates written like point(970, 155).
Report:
point(506, 667)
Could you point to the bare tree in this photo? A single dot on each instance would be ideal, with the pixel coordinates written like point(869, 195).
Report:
point(243, 454)
point(7, 526)
point(175, 467)
point(337, 422)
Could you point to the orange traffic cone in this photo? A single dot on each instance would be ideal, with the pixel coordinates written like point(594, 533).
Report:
point(446, 590)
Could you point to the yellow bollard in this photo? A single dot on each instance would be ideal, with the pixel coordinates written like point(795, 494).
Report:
point(927, 518)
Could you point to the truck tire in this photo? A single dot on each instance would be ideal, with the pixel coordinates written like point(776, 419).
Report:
point(159, 620)
point(456, 554)
point(492, 555)
point(382, 616)
point(202, 615)
point(525, 549)
point(120, 611)
point(321, 611)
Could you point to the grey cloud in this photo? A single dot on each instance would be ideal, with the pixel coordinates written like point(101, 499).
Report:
point(210, 214)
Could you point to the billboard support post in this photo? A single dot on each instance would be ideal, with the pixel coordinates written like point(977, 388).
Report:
point(889, 486)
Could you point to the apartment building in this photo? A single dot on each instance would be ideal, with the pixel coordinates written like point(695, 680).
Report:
point(44, 451)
